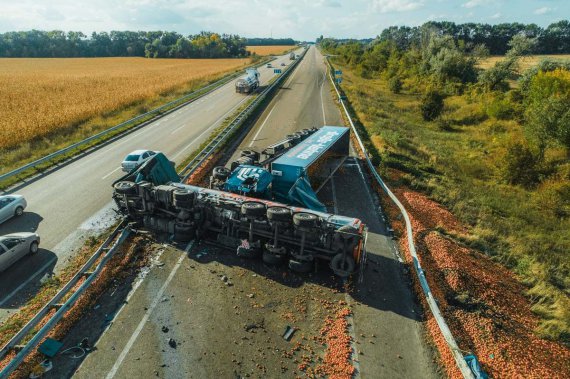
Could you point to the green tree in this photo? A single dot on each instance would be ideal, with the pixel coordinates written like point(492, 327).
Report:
point(548, 109)
point(431, 105)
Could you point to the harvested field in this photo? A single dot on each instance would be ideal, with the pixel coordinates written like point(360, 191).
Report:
point(525, 62)
point(42, 96)
point(269, 50)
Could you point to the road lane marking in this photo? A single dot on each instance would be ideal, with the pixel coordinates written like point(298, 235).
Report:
point(146, 316)
point(261, 127)
point(177, 129)
point(15, 291)
point(109, 174)
point(209, 128)
point(322, 102)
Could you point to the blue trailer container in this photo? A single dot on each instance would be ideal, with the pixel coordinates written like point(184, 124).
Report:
point(298, 173)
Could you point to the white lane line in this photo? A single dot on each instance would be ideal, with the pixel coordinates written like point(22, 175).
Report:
point(109, 174)
point(42, 269)
point(177, 129)
point(322, 102)
point(146, 316)
point(261, 127)
point(209, 128)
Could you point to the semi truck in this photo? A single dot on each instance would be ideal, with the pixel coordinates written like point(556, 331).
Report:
point(292, 56)
point(250, 211)
point(249, 82)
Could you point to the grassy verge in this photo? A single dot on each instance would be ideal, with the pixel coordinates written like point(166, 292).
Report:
point(29, 151)
point(458, 164)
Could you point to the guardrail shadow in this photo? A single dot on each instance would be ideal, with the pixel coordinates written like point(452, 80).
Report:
point(24, 279)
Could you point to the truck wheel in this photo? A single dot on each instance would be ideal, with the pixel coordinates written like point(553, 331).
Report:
point(301, 266)
point(343, 265)
point(253, 209)
point(273, 259)
point(304, 219)
point(221, 173)
point(279, 214)
point(254, 155)
point(182, 195)
point(184, 233)
point(125, 188)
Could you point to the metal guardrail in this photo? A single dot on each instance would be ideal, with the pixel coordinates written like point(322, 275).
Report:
point(443, 327)
point(103, 251)
point(157, 112)
point(191, 167)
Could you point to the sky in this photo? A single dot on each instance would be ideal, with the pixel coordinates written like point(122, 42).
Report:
point(298, 19)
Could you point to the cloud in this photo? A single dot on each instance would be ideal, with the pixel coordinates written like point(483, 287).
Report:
point(496, 15)
point(385, 6)
point(474, 3)
point(329, 3)
point(543, 10)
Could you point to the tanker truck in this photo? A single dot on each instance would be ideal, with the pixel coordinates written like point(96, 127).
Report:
point(249, 82)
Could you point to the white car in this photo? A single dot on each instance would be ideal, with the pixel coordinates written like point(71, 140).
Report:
point(15, 246)
point(11, 205)
point(135, 159)
point(268, 65)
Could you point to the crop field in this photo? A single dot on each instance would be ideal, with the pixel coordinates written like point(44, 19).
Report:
point(269, 50)
point(43, 96)
point(525, 62)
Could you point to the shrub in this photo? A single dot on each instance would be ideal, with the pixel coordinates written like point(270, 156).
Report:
point(431, 105)
point(521, 165)
point(395, 84)
point(500, 108)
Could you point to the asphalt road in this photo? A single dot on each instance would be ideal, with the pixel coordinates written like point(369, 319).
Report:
point(72, 203)
point(386, 322)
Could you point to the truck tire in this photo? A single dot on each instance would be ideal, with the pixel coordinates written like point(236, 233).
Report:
point(220, 173)
point(125, 188)
point(271, 258)
point(343, 265)
point(305, 220)
point(253, 209)
point(282, 214)
point(254, 155)
point(184, 233)
point(182, 195)
point(301, 266)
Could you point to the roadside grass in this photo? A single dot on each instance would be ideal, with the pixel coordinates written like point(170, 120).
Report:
point(459, 166)
point(270, 50)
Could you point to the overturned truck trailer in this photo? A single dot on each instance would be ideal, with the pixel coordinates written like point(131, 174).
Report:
point(250, 226)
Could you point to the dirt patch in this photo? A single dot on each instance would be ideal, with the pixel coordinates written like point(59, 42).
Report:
point(483, 302)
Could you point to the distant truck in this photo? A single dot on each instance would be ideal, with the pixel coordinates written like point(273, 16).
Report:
point(292, 56)
point(249, 82)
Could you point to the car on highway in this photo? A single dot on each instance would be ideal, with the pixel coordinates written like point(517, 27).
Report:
point(135, 159)
point(283, 64)
point(268, 65)
point(14, 247)
point(11, 205)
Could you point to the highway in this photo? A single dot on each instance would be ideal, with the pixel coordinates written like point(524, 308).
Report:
point(72, 203)
point(178, 300)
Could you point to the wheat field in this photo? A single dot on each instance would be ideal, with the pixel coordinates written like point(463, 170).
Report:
point(269, 50)
point(525, 62)
point(40, 96)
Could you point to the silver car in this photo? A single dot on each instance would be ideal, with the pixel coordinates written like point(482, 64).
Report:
point(11, 205)
point(135, 159)
point(15, 246)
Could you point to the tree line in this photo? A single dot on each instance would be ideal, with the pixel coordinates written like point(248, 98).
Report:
point(270, 41)
point(154, 44)
point(436, 64)
point(554, 39)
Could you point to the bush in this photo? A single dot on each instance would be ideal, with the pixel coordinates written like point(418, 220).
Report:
point(521, 165)
point(395, 84)
point(500, 108)
point(431, 105)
